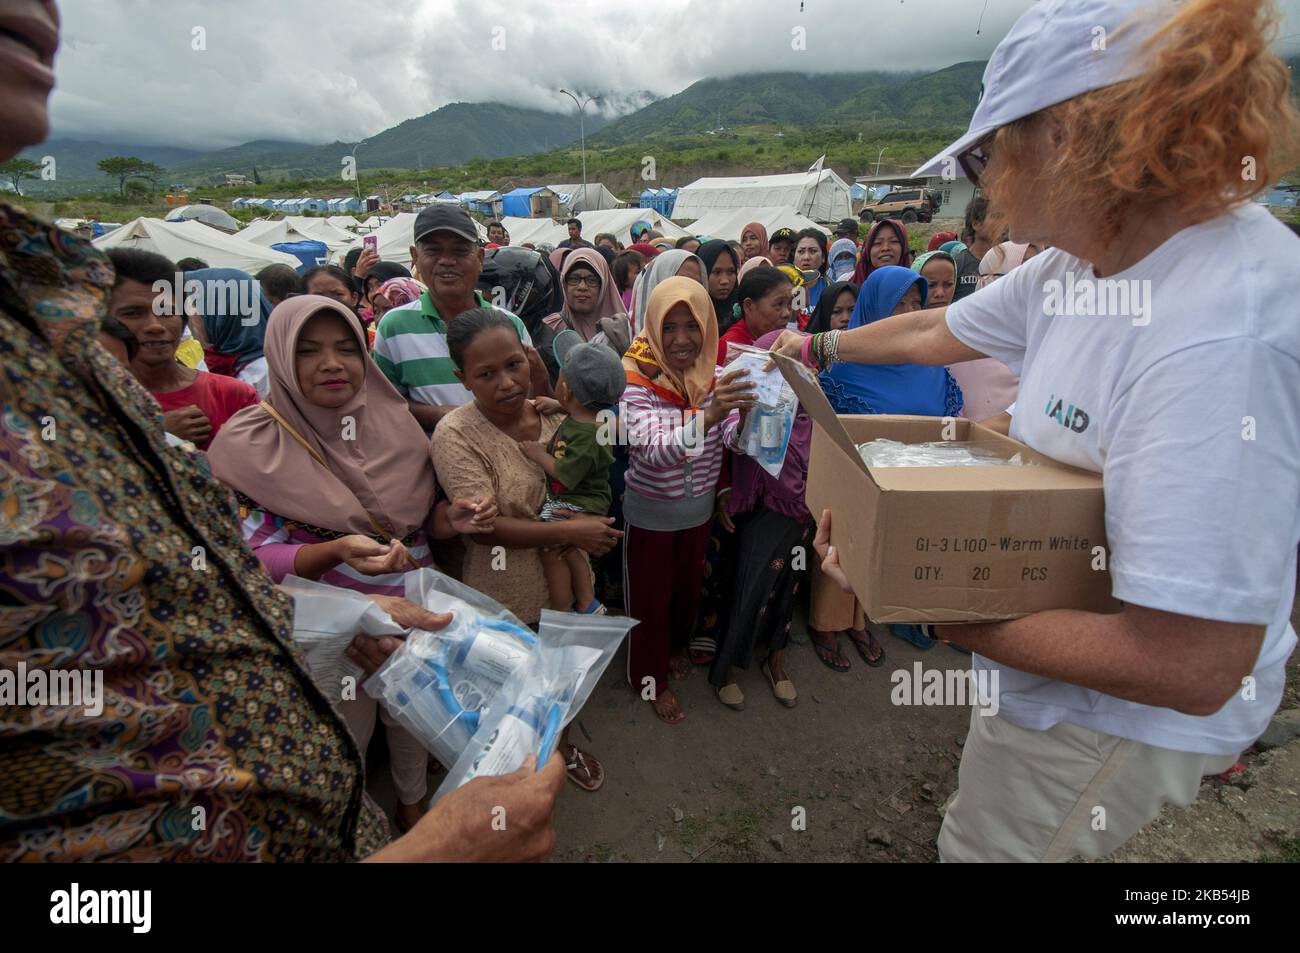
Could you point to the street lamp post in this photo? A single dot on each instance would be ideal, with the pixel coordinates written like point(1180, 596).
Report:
point(878, 155)
point(355, 174)
point(582, 133)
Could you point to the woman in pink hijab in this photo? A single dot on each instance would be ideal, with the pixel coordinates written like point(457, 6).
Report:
point(592, 307)
point(753, 241)
point(334, 483)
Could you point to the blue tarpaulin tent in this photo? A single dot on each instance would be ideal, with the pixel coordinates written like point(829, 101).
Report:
point(519, 202)
point(309, 253)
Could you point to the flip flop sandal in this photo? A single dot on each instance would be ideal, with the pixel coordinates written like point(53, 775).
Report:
point(783, 690)
point(862, 645)
point(581, 763)
point(702, 650)
point(825, 655)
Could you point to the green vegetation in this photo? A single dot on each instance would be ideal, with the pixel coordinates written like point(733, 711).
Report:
point(128, 167)
point(15, 170)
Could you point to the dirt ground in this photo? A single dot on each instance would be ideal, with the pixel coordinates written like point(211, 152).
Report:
point(869, 776)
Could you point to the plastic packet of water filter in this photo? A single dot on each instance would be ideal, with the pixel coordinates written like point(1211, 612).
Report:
point(541, 697)
point(936, 453)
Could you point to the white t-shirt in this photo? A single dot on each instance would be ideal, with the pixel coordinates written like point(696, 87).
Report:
point(1189, 406)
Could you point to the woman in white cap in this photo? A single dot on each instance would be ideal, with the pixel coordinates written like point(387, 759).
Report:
point(1129, 135)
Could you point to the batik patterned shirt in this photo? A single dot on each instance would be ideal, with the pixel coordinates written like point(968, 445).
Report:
point(121, 556)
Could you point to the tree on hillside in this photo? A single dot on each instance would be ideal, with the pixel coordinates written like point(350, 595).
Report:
point(15, 170)
point(257, 179)
point(126, 167)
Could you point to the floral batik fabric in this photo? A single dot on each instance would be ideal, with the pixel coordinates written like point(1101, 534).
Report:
point(121, 559)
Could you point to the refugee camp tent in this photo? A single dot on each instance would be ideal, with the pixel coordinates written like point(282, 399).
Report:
point(822, 196)
point(177, 240)
point(532, 230)
point(573, 200)
point(727, 223)
point(315, 205)
point(348, 203)
point(536, 202)
point(484, 203)
point(395, 237)
point(661, 200)
point(207, 214)
point(343, 222)
point(617, 222)
point(297, 229)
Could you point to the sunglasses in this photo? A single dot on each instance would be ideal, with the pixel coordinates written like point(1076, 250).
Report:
point(976, 159)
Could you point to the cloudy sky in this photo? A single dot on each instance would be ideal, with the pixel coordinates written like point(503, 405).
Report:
point(213, 73)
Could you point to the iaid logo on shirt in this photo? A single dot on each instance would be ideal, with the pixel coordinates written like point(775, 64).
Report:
point(1068, 416)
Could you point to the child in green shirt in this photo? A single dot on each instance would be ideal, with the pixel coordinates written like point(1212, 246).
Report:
point(577, 460)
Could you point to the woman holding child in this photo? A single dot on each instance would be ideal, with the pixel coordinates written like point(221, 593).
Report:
point(476, 451)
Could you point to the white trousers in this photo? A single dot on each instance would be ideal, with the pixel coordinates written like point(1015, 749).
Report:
point(1030, 796)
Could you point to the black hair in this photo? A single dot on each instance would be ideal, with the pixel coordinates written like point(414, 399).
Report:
point(115, 328)
point(350, 260)
point(622, 266)
point(681, 242)
point(468, 325)
point(977, 209)
point(603, 235)
point(574, 221)
point(816, 235)
point(279, 282)
point(136, 264)
point(497, 224)
point(334, 271)
point(191, 264)
point(759, 283)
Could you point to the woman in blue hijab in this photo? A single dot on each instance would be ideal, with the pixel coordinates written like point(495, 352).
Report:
point(879, 389)
point(234, 310)
point(891, 388)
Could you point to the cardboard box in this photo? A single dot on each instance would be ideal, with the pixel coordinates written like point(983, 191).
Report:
point(953, 544)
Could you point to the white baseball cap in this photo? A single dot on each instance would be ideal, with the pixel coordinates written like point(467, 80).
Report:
point(1058, 50)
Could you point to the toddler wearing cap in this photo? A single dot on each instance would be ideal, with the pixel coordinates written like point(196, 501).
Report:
point(577, 460)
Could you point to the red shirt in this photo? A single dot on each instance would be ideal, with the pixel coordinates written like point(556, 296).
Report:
point(738, 333)
point(220, 398)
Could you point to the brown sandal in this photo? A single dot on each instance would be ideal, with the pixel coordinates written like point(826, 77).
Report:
point(578, 764)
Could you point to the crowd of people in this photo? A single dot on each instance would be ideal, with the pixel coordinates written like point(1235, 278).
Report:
point(366, 419)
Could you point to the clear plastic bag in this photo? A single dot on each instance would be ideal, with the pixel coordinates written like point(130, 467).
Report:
point(765, 435)
point(541, 696)
point(937, 453)
point(438, 684)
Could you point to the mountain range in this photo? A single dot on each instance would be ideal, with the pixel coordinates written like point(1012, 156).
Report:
point(460, 132)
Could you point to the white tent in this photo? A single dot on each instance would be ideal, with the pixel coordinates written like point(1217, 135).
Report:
point(617, 222)
point(298, 229)
point(207, 214)
point(727, 223)
point(822, 196)
point(532, 230)
point(345, 222)
point(177, 240)
point(395, 237)
point(595, 199)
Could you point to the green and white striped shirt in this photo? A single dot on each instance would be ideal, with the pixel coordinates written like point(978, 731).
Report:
point(411, 350)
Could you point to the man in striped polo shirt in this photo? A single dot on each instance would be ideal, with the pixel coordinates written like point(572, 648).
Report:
point(411, 340)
